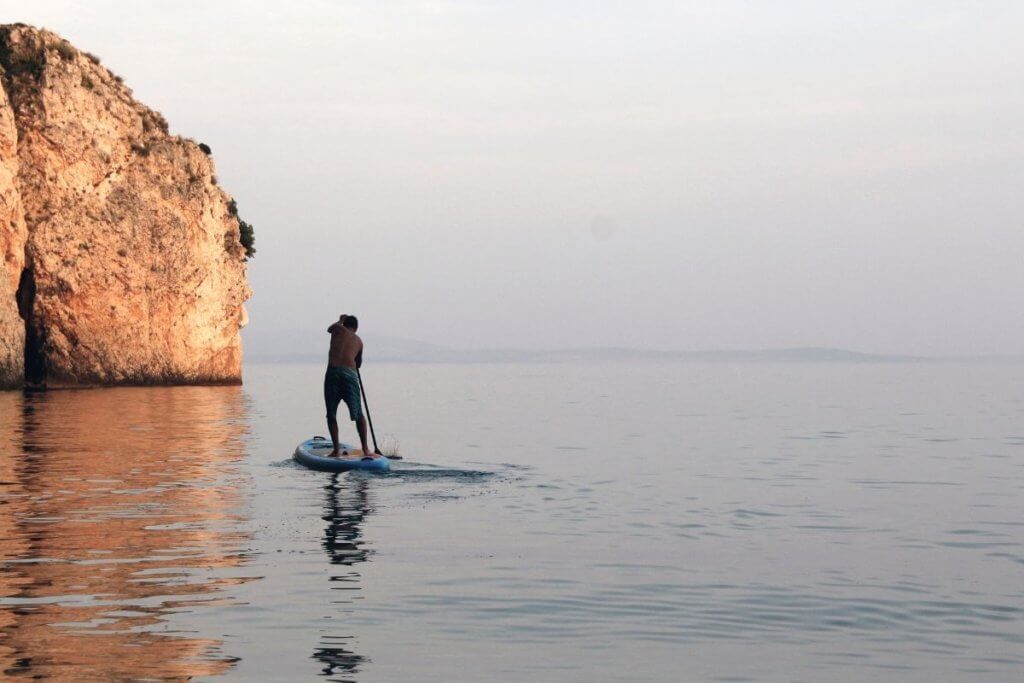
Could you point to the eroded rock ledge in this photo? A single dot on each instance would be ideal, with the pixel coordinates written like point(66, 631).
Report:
point(120, 256)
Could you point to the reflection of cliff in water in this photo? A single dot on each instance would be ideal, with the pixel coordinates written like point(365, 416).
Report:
point(345, 510)
point(119, 517)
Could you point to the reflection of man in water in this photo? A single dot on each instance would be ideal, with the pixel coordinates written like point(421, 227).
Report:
point(341, 382)
point(345, 511)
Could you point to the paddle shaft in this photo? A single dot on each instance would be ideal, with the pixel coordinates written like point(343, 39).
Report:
point(366, 403)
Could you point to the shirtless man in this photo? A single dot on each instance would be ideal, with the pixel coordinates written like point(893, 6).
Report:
point(341, 382)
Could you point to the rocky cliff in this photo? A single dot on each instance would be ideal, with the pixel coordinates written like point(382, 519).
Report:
point(122, 257)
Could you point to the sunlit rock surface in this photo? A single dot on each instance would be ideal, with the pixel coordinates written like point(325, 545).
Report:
point(12, 251)
point(119, 248)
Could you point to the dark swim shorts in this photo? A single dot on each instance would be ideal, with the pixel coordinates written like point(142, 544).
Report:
point(342, 384)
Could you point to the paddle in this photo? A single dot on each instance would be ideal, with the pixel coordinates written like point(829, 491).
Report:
point(368, 418)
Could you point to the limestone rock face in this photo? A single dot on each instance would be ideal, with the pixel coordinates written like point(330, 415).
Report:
point(120, 250)
point(12, 252)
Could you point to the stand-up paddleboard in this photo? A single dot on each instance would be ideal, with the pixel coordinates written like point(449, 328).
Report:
point(313, 454)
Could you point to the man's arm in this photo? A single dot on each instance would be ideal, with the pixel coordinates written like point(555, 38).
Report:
point(359, 358)
point(338, 325)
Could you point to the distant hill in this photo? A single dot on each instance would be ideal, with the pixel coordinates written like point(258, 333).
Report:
point(309, 346)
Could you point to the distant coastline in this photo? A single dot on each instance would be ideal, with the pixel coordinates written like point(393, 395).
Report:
point(289, 347)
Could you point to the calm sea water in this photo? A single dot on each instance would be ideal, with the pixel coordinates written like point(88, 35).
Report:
point(677, 522)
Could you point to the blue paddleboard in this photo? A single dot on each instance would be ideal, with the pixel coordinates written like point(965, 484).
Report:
point(313, 454)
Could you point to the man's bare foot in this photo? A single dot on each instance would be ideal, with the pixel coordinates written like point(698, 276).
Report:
point(336, 454)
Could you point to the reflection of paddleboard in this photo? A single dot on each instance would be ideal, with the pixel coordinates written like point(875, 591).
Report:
point(313, 454)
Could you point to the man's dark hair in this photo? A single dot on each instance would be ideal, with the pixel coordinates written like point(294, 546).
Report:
point(351, 322)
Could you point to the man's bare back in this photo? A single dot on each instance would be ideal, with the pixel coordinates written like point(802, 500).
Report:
point(345, 346)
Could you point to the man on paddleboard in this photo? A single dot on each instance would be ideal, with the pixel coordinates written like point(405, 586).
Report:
point(341, 382)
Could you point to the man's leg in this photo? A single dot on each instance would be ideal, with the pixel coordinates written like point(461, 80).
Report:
point(361, 427)
point(332, 397)
point(332, 427)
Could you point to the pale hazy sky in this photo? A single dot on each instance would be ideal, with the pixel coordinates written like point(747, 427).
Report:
point(679, 175)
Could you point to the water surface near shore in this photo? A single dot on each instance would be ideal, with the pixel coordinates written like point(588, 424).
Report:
point(577, 522)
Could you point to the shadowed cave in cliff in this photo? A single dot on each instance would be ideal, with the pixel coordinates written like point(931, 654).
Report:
point(35, 365)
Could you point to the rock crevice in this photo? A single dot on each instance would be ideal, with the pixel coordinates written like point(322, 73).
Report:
point(122, 260)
